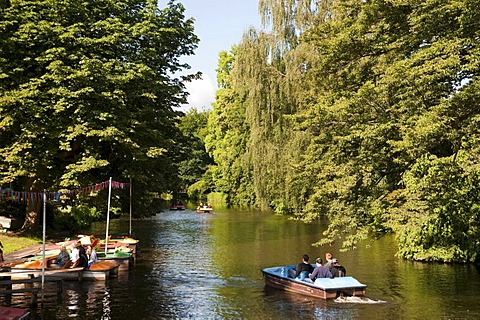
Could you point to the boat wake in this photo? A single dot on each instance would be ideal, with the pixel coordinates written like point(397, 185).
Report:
point(364, 300)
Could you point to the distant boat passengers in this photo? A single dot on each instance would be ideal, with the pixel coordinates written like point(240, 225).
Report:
point(204, 206)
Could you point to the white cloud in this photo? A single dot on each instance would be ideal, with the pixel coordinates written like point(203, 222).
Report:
point(201, 93)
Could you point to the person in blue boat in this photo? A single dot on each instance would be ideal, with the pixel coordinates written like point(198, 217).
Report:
point(303, 269)
point(329, 258)
point(320, 271)
point(337, 269)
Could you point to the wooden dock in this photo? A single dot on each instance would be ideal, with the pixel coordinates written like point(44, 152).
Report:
point(7, 283)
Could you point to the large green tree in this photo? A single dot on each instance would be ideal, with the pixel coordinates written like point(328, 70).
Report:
point(398, 81)
point(87, 92)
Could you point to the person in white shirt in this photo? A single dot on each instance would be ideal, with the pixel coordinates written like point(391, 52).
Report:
point(75, 254)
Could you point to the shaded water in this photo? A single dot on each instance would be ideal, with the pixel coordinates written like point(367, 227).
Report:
point(202, 266)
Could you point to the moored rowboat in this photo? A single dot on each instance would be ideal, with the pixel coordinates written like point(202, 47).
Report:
point(21, 271)
point(100, 270)
point(324, 288)
point(124, 259)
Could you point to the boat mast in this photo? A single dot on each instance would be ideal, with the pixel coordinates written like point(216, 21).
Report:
point(108, 213)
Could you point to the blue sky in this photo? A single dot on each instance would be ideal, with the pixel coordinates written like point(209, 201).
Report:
point(219, 24)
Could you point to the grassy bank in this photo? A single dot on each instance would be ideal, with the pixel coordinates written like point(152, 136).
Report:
point(13, 243)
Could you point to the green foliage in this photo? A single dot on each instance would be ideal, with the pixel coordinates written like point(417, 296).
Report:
point(443, 223)
point(201, 188)
point(227, 139)
point(77, 218)
point(87, 92)
point(216, 198)
point(392, 98)
point(193, 159)
point(364, 112)
point(12, 209)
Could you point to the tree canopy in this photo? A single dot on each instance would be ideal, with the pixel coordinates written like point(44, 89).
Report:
point(87, 92)
point(366, 113)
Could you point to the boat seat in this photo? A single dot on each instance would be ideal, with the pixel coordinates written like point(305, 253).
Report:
point(291, 273)
point(302, 276)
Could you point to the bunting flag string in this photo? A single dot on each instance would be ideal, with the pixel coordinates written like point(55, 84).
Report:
point(23, 196)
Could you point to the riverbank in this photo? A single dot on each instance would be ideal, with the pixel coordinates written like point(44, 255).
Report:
point(16, 247)
point(19, 254)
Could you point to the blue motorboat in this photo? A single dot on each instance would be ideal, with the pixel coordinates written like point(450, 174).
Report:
point(325, 288)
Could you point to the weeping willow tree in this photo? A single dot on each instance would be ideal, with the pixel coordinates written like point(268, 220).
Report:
point(268, 73)
point(265, 85)
point(288, 19)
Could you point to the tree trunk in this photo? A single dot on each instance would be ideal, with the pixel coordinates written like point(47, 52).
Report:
point(32, 217)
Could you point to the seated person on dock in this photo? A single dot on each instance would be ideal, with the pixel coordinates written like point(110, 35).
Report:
point(320, 271)
point(74, 255)
point(303, 269)
point(63, 259)
point(338, 270)
point(82, 261)
point(92, 254)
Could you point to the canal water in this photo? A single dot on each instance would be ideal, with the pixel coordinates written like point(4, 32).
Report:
point(207, 266)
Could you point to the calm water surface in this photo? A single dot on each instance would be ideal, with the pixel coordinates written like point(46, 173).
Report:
point(199, 266)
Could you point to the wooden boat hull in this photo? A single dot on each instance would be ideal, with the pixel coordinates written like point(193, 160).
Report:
point(102, 270)
point(20, 273)
point(277, 277)
point(99, 275)
point(205, 210)
point(103, 273)
point(14, 313)
point(124, 263)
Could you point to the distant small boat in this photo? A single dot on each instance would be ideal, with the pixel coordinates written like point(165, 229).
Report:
point(177, 206)
point(324, 288)
point(204, 209)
